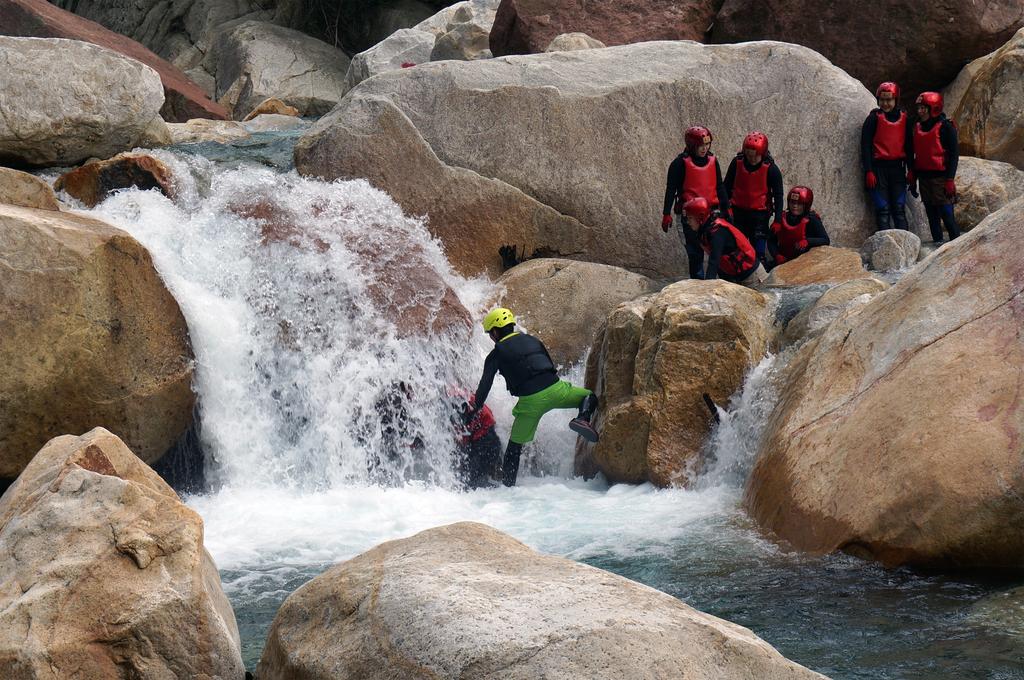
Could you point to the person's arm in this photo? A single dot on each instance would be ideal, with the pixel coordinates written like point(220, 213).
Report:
point(951, 144)
point(486, 380)
point(719, 238)
point(816, 234)
point(730, 176)
point(674, 181)
point(775, 187)
point(867, 141)
point(723, 196)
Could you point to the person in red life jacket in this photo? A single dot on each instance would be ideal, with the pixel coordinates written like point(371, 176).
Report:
point(799, 230)
point(885, 146)
point(695, 172)
point(754, 185)
point(479, 446)
point(936, 153)
point(730, 254)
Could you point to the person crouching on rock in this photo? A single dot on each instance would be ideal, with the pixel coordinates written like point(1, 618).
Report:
point(730, 254)
point(885, 145)
point(936, 155)
point(754, 185)
point(529, 374)
point(478, 446)
point(695, 172)
point(799, 230)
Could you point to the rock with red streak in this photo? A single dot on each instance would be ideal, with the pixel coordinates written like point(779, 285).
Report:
point(529, 26)
point(39, 19)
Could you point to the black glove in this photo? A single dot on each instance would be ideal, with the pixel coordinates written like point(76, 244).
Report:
point(509, 257)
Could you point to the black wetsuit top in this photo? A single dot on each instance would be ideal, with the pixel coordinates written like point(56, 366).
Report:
point(950, 144)
point(677, 173)
point(867, 141)
point(722, 243)
point(523, 362)
point(775, 190)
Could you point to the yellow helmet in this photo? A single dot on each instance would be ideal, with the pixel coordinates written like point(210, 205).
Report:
point(498, 318)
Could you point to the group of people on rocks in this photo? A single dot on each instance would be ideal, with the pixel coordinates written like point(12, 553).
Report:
point(739, 222)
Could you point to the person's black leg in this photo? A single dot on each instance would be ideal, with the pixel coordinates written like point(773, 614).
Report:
point(949, 218)
point(934, 221)
point(880, 198)
point(510, 466)
point(897, 183)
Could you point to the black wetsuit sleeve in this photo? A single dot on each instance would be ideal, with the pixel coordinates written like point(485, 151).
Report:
point(816, 234)
point(951, 143)
point(730, 176)
point(486, 380)
point(776, 190)
point(867, 141)
point(723, 195)
point(719, 241)
point(676, 174)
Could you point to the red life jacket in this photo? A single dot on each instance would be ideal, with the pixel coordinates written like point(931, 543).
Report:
point(699, 181)
point(741, 260)
point(928, 151)
point(890, 138)
point(480, 425)
point(750, 189)
point(790, 235)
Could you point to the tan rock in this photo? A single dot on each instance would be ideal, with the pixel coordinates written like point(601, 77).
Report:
point(564, 302)
point(823, 264)
point(93, 182)
point(91, 337)
point(199, 130)
point(890, 250)
point(651, 365)
point(441, 604)
point(28, 191)
point(571, 42)
point(899, 433)
point(812, 320)
point(983, 187)
point(105, 574)
point(272, 105)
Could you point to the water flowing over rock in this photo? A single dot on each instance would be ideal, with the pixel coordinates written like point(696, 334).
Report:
point(920, 46)
point(105, 574)
point(257, 60)
point(890, 250)
point(987, 104)
point(94, 181)
point(91, 337)
point(564, 302)
point(25, 190)
point(529, 26)
point(570, 42)
point(823, 264)
point(442, 604)
point(66, 101)
point(816, 317)
point(566, 153)
point(983, 187)
point(898, 437)
point(651, 365)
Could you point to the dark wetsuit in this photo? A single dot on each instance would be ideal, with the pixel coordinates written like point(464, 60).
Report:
point(754, 223)
point(937, 205)
point(523, 362)
point(723, 243)
point(890, 193)
point(673, 187)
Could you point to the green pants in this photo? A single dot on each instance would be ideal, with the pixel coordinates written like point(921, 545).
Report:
point(529, 409)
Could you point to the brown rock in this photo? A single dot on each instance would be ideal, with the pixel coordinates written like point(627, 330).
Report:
point(529, 26)
point(920, 46)
point(272, 105)
point(899, 434)
point(105, 574)
point(651, 365)
point(823, 264)
point(40, 19)
point(25, 190)
point(564, 302)
point(91, 337)
point(93, 182)
point(983, 187)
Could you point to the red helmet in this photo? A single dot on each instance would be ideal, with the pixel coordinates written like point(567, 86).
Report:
point(758, 141)
point(697, 207)
point(697, 135)
point(888, 86)
point(933, 100)
point(803, 195)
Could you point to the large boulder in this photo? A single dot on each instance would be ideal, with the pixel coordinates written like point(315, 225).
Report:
point(921, 46)
point(890, 250)
point(983, 187)
point(567, 152)
point(987, 104)
point(103, 573)
point(28, 191)
point(93, 182)
point(442, 604)
point(257, 60)
point(404, 48)
point(824, 264)
point(899, 433)
point(91, 337)
point(183, 99)
point(529, 26)
point(66, 101)
point(651, 365)
point(816, 317)
point(564, 302)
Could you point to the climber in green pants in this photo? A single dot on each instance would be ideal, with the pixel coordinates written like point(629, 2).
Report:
point(530, 375)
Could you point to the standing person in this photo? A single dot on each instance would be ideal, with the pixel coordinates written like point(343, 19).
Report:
point(885, 146)
point(754, 185)
point(799, 230)
point(730, 255)
point(695, 172)
point(530, 375)
point(936, 155)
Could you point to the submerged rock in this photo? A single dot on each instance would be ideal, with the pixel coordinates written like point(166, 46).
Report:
point(94, 181)
point(104, 573)
point(898, 435)
point(651, 365)
point(91, 337)
point(467, 601)
point(823, 264)
point(25, 190)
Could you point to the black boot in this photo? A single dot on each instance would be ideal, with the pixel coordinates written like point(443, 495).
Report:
point(899, 217)
point(581, 423)
point(510, 466)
